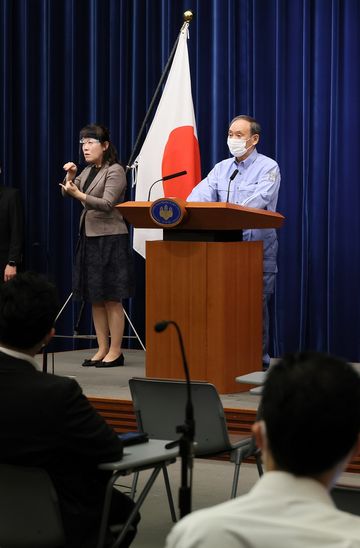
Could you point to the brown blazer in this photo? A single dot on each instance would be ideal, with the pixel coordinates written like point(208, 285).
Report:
point(100, 217)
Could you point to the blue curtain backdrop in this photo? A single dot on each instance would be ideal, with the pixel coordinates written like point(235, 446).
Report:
point(293, 64)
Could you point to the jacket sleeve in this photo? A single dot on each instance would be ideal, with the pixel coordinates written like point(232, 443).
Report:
point(114, 190)
point(267, 189)
point(205, 191)
point(85, 433)
point(77, 181)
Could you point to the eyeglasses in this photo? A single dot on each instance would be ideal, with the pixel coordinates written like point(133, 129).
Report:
point(89, 142)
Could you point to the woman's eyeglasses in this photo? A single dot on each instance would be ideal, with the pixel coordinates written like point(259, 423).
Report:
point(89, 142)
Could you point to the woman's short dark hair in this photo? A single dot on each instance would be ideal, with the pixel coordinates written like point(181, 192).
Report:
point(97, 131)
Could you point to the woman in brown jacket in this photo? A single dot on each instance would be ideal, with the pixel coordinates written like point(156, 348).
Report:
point(103, 273)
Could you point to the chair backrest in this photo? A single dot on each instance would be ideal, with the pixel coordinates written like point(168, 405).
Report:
point(159, 406)
point(29, 511)
point(347, 499)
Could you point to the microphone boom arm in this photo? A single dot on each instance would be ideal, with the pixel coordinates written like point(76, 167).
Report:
point(232, 177)
point(166, 178)
point(186, 430)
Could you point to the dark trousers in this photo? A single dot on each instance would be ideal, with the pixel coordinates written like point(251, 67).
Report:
point(85, 532)
point(268, 290)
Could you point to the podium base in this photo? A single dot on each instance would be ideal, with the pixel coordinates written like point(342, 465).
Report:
point(213, 290)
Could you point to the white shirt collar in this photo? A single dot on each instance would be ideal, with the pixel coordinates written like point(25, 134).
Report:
point(19, 355)
point(285, 483)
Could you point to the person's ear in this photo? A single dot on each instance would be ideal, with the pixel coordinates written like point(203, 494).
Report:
point(105, 145)
point(259, 431)
point(256, 138)
point(48, 337)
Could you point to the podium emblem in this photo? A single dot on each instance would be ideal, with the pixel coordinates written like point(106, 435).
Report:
point(167, 212)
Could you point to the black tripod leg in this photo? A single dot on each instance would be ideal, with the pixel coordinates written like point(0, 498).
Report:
point(44, 363)
point(76, 328)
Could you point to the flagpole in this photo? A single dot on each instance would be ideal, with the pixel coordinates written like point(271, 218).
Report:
point(187, 16)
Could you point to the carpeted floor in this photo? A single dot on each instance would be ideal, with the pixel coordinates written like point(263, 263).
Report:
point(113, 381)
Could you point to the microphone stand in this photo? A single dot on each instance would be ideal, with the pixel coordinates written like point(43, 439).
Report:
point(232, 177)
point(166, 178)
point(186, 454)
point(187, 431)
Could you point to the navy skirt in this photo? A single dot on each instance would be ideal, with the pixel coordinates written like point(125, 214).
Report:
point(104, 269)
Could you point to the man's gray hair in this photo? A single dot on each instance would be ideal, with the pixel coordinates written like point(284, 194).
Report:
point(255, 128)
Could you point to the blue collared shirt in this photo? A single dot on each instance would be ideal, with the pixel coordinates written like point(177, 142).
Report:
point(256, 185)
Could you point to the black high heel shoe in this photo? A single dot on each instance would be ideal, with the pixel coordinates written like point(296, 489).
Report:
point(90, 363)
point(114, 363)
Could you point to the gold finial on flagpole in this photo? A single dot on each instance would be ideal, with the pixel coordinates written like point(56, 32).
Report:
point(188, 16)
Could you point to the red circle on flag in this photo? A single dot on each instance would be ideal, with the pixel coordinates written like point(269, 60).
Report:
point(181, 153)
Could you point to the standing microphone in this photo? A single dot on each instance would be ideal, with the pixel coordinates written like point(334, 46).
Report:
point(187, 430)
point(232, 177)
point(161, 326)
point(166, 178)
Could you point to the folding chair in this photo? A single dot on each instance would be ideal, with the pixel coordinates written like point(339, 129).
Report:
point(159, 406)
point(346, 498)
point(29, 511)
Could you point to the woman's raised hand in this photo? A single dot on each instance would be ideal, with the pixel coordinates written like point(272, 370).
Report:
point(71, 170)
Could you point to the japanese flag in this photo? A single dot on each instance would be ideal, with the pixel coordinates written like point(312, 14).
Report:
point(171, 144)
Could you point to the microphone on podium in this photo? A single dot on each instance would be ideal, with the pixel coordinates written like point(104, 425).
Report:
point(187, 430)
point(232, 177)
point(166, 178)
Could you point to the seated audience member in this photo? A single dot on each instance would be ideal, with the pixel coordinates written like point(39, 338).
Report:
point(46, 421)
point(309, 431)
point(11, 232)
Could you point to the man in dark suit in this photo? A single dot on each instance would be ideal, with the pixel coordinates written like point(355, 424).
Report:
point(46, 421)
point(11, 232)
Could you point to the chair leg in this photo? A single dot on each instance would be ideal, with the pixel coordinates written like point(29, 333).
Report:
point(128, 524)
point(235, 480)
point(169, 493)
point(134, 485)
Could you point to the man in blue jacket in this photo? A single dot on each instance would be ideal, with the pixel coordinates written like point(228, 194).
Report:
point(255, 183)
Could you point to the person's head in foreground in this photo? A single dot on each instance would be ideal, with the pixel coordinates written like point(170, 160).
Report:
point(28, 307)
point(310, 415)
point(308, 430)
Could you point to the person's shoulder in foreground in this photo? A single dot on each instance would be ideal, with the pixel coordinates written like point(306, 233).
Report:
point(53, 425)
point(28, 307)
point(307, 436)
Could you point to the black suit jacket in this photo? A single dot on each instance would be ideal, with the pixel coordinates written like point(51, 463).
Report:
point(45, 420)
point(11, 226)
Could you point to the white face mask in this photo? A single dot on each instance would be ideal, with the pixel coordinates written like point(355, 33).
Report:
point(237, 147)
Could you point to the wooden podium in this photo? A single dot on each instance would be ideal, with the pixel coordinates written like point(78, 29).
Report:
point(210, 282)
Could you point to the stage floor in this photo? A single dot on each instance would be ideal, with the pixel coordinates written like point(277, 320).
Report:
point(112, 382)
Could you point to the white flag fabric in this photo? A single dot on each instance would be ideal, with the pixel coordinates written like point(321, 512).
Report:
point(171, 144)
